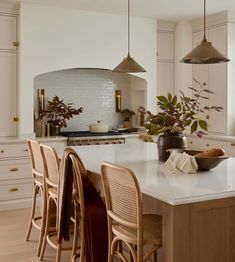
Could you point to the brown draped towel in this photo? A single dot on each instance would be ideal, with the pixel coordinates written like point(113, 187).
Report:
point(96, 229)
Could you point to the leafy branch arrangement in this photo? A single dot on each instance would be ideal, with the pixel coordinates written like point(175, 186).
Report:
point(58, 112)
point(180, 112)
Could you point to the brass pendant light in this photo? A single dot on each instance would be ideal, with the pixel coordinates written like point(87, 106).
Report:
point(129, 65)
point(204, 53)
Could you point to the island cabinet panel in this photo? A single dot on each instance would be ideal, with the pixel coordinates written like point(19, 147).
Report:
point(201, 232)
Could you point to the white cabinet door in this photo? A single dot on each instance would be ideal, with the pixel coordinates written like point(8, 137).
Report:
point(165, 78)
point(218, 37)
point(165, 46)
point(7, 32)
point(7, 93)
point(215, 75)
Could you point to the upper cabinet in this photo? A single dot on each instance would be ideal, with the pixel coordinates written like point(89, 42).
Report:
point(8, 32)
point(8, 71)
point(165, 57)
point(219, 77)
point(165, 45)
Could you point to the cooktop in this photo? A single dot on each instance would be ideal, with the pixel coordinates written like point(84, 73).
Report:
point(87, 133)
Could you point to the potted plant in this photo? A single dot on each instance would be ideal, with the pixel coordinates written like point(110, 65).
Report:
point(57, 114)
point(176, 114)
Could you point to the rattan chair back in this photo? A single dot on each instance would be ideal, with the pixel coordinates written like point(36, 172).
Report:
point(79, 209)
point(51, 165)
point(124, 205)
point(36, 158)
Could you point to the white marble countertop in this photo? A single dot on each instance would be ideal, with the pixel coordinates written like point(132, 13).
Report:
point(174, 189)
point(8, 140)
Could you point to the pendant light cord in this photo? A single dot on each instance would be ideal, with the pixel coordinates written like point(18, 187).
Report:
point(128, 27)
point(204, 37)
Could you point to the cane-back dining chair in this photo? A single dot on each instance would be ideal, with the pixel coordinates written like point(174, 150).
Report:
point(78, 250)
point(129, 230)
point(38, 221)
point(51, 170)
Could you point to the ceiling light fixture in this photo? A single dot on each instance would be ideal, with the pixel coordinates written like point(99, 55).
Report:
point(129, 65)
point(204, 53)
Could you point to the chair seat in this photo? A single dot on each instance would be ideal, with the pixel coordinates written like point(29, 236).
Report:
point(152, 231)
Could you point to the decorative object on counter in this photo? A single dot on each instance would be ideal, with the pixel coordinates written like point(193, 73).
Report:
point(58, 112)
point(39, 123)
point(118, 100)
point(41, 102)
point(181, 161)
point(178, 113)
point(98, 127)
point(127, 115)
point(204, 53)
point(207, 159)
point(129, 65)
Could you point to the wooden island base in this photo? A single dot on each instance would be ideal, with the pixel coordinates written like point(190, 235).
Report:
point(196, 232)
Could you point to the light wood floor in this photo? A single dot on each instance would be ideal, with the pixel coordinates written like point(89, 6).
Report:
point(13, 247)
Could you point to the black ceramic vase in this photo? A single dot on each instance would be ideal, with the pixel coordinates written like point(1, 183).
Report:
point(169, 140)
point(54, 130)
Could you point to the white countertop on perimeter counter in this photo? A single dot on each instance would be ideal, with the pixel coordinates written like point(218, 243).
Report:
point(174, 189)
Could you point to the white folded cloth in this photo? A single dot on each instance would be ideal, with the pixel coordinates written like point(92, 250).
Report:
point(181, 161)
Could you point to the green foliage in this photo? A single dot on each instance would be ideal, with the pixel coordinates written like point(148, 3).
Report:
point(58, 112)
point(180, 112)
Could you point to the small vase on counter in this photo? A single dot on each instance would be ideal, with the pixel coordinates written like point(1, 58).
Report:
point(54, 130)
point(170, 140)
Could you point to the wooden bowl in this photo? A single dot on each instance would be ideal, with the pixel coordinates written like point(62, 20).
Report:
point(204, 163)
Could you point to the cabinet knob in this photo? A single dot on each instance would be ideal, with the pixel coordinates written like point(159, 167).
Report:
point(25, 150)
point(232, 144)
point(2, 151)
point(207, 144)
point(13, 189)
point(15, 43)
point(13, 169)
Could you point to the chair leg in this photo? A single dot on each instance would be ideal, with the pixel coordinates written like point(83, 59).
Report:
point(43, 222)
point(58, 253)
point(155, 256)
point(46, 229)
point(32, 211)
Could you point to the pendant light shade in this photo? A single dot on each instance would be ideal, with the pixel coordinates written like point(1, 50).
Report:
point(204, 53)
point(128, 64)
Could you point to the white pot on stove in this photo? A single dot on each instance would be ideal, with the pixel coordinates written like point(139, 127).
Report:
point(98, 127)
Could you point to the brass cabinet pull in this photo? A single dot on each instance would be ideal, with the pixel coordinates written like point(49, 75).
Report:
point(13, 169)
point(232, 144)
point(207, 144)
point(2, 151)
point(15, 43)
point(13, 189)
point(25, 150)
point(191, 142)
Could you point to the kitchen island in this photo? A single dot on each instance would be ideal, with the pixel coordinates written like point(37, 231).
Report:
point(198, 210)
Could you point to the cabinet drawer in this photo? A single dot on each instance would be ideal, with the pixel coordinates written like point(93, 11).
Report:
point(15, 191)
point(15, 170)
point(202, 143)
point(14, 150)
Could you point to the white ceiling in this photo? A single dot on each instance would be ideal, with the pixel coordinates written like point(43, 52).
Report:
point(173, 10)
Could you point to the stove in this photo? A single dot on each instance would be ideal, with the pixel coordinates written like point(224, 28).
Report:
point(79, 138)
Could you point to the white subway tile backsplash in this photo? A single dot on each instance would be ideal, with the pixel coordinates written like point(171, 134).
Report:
point(93, 89)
